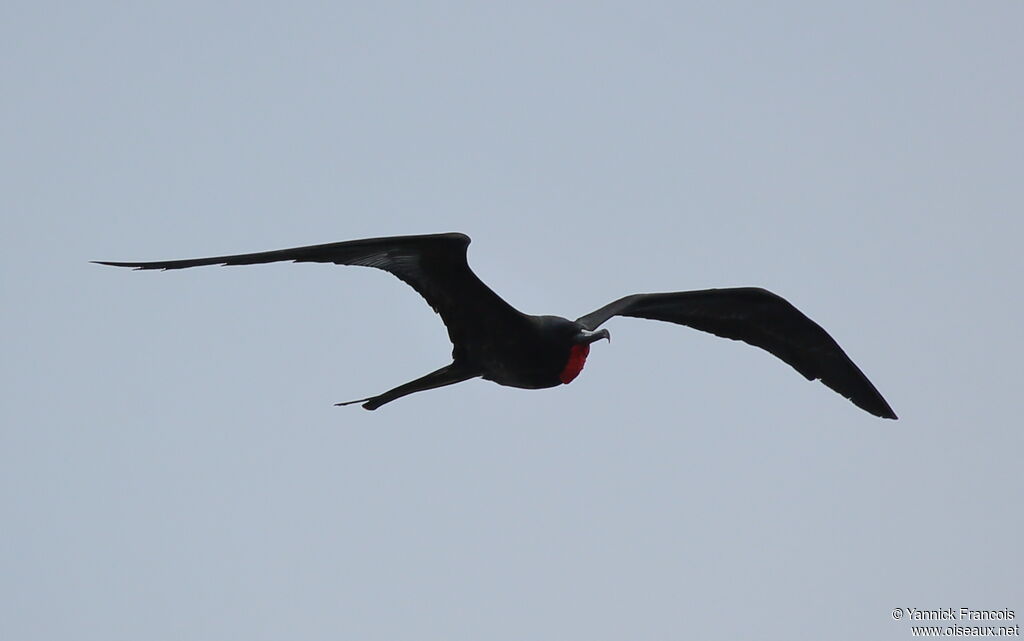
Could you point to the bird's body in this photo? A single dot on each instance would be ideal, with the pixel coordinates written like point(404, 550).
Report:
point(534, 357)
point(493, 340)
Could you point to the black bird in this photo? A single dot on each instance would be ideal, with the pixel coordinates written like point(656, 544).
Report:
point(495, 341)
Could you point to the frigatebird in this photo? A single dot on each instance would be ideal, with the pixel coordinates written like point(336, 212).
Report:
point(493, 340)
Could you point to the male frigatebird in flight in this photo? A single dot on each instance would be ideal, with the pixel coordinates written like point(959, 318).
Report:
point(495, 341)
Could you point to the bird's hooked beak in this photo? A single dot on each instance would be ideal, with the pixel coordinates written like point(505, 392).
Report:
point(587, 336)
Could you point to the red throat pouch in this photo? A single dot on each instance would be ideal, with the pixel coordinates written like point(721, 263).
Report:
point(573, 367)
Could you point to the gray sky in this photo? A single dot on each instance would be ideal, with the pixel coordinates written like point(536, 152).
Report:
point(171, 466)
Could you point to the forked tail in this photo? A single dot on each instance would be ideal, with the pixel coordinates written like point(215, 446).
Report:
point(447, 375)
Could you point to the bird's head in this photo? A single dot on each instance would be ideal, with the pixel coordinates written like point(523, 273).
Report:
point(567, 344)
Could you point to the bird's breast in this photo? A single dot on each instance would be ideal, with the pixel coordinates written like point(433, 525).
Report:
point(573, 366)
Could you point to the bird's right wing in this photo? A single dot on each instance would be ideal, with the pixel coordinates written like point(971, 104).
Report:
point(434, 265)
point(760, 318)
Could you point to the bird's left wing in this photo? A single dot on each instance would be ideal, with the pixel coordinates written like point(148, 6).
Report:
point(433, 264)
point(760, 318)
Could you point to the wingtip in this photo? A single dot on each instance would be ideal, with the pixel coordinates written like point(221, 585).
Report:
point(110, 263)
point(883, 410)
point(872, 402)
point(365, 401)
point(887, 411)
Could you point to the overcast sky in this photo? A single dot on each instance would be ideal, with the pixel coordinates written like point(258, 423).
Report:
point(172, 467)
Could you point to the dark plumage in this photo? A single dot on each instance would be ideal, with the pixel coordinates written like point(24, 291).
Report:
point(495, 341)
